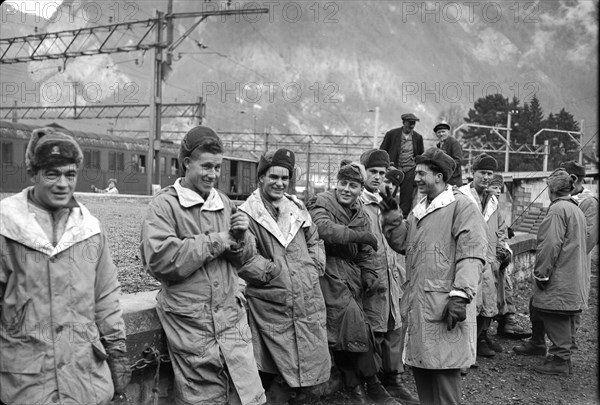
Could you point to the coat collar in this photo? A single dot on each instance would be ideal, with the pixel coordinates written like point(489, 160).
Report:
point(491, 206)
point(368, 197)
point(189, 198)
point(292, 218)
point(18, 223)
point(444, 199)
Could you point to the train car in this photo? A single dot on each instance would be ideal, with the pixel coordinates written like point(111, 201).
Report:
point(124, 159)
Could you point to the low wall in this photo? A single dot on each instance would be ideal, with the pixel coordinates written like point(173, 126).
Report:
point(144, 331)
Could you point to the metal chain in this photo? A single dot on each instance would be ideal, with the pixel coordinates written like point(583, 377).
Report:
point(150, 356)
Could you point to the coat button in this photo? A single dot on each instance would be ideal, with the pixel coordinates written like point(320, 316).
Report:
point(59, 329)
point(216, 284)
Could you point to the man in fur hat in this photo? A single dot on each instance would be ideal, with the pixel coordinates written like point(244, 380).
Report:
point(286, 259)
point(63, 336)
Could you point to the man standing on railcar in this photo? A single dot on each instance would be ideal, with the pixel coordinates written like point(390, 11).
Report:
point(403, 145)
point(192, 241)
point(62, 335)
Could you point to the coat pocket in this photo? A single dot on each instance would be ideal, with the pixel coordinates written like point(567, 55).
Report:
point(21, 360)
point(435, 298)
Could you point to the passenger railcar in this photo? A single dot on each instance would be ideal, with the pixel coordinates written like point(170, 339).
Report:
point(108, 157)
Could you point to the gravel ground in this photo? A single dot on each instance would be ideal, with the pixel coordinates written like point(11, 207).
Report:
point(505, 379)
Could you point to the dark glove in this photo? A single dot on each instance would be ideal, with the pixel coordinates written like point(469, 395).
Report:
point(455, 311)
point(541, 284)
point(388, 202)
point(510, 233)
point(363, 237)
point(503, 256)
point(370, 283)
point(119, 370)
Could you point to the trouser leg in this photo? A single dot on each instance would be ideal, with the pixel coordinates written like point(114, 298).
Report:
point(424, 382)
point(538, 330)
point(346, 363)
point(558, 328)
point(448, 387)
point(406, 192)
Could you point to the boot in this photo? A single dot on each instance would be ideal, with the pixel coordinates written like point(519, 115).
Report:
point(530, 349)
point(303, 396)
point(483, 349)
point(379, 395)
point(509, 328)
point(395, 387)
point(358, 395)
point(495, 346)
point(553, 366)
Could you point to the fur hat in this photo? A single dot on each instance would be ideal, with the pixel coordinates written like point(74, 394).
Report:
point(560, 182)
point(485, 162)
point(281, 157)
point(375, 158)
point(497, 180)
point(572, 167)
point(395, 176)
point(50, 148)
point(197, 137)
point(438, 158)
point(353, 171)
point(344, 162)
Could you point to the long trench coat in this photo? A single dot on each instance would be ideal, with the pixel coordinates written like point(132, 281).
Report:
point(487, 293)
point(561, 259)
point(59, 309)
point(445, 246)
point(287, 310)
point(385, 303)
point(347, 326)
point(200, 303)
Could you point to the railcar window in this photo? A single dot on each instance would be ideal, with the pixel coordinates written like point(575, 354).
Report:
point(91, 159)
point(7, 153)
point(142, 164)
point(116, 161)
point(163, 168)
point(174, 166)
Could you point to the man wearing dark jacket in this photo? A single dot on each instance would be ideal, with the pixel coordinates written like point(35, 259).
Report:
point(452, 148)
point(404, 145)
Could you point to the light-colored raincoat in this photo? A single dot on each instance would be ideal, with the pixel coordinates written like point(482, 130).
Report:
point(561, 259)
point(287, 311)
point(200, 304)
point(386, 302)
point(487, 294)
point(59, 309)
point(445, 245)
point(588, 203)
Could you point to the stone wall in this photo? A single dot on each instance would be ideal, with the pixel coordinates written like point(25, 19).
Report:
point(144, 331)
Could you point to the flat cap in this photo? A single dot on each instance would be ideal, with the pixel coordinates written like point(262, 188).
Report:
point(441, 125)
point(409, 117)
point(497, 180)
point(572, 167)
point(438, 158)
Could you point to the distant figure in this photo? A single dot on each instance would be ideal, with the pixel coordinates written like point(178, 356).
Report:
point(111, 189)
point(404, 145)
point(452, 148)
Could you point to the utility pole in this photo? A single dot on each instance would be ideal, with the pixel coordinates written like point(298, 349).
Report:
point(507, 152)
point(155, 102)
point(376, 127)
point(308, 170)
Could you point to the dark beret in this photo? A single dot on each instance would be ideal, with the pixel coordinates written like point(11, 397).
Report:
point(375, 158)
point(395, 176)
point(281, 157)
point(485, 162)
point(194, 138)
point(572, 167)
point(438, 158)
point(409, 117)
